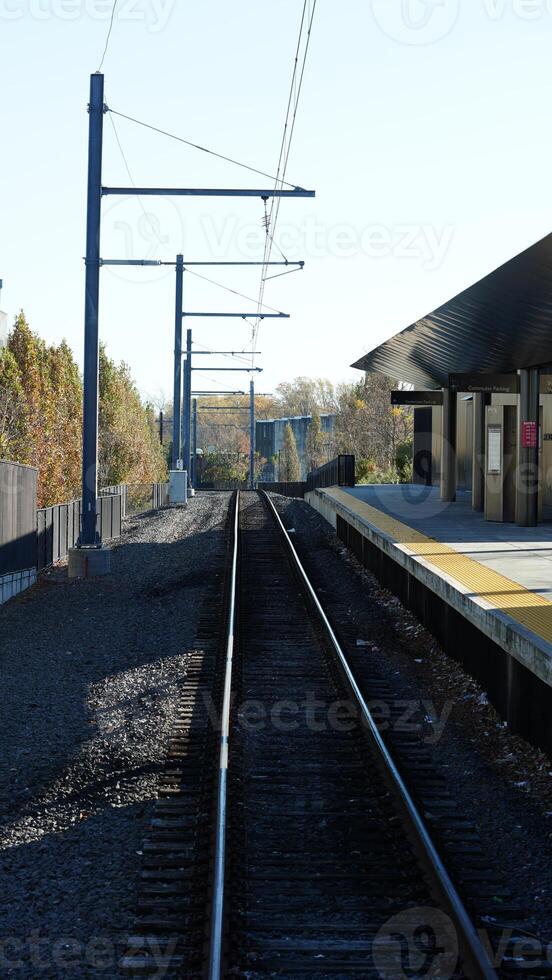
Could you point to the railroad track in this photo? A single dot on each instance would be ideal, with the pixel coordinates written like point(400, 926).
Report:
point(285, 841)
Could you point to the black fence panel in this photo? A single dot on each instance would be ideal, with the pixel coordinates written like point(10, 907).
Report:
point(121, 490)
point(222, 485)
point(18, 543)
point(58, 528)
point(57, 531)
point(160, 495)
point(142, 497)
point(339, 472)
point(110, 517)
point(285, 489)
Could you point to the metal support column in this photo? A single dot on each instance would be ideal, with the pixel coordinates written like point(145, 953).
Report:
point(89, 535)
point(194, 442)
point(448, 447)
point(177, 387)
point(528, 451)
point(478, 461)
point(187, 405)
point(252, 434)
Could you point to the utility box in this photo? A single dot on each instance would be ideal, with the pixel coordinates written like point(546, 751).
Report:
point(178, 488)
point(500, 462)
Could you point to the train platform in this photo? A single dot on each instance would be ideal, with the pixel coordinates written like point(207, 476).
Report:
point(483, 589)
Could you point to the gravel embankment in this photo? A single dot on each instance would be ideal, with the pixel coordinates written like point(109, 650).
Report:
point(90, 674)
point(502, 784)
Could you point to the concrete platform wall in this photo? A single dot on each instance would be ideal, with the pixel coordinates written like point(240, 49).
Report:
point(499, 657)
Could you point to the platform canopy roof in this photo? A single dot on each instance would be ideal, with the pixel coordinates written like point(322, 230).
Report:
point(502, 323)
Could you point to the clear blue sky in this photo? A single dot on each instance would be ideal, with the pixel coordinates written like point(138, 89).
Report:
point(424, 126)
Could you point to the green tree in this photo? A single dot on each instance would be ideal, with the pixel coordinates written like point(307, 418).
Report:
point(290, 470)
point(368, 425)
point(315, 442)
point(224, 467)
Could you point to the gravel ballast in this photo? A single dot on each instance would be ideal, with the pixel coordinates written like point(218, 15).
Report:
point(503, 785)
point(91, 673)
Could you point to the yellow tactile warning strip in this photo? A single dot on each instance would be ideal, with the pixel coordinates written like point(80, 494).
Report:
point(530, 609)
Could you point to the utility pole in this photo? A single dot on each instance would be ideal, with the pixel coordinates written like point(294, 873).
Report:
point(161, 420)
point(187, 403)
point(252, 434)
point(80, 562)
point(89, 535)
point(194, 443)
point(89, 558)
point(177, 387)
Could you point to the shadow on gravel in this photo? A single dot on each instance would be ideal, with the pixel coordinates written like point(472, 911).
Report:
point(90, 676)
point(60, 639)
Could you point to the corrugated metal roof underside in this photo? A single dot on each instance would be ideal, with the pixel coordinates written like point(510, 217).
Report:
point(502, 323)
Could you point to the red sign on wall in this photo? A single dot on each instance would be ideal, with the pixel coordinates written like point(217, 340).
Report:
point(528, 435)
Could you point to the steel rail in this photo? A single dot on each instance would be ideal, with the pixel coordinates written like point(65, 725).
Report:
point(217, 903)
point(477, 963)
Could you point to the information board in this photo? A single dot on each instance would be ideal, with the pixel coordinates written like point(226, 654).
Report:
point(488, 384)
point(528, 435)
point(415, 398)
point(494, 449)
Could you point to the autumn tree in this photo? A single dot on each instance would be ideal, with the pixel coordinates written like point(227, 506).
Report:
point(12, 409)
point(41, 418)
point(129, 447)
point(368, 425)
point(289, 469)
point(64, 477)
point(306, 396)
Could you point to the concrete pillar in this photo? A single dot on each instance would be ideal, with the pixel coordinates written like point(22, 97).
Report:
point(448, 446)
point(478, 461)
point(527, 481)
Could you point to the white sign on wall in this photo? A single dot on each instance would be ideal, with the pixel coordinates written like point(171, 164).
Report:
point(494, 449)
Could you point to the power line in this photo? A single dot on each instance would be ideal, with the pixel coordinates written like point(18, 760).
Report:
point(130, 177)
point(115, 2)
point(271, 219)
point(228, 289)
point(199, 343)
point(197, 146)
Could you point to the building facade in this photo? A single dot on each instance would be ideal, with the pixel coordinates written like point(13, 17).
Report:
point(269, 439)
point(481, 369)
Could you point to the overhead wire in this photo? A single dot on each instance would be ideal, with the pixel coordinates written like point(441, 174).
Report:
point(196, 146)
point(115, 2)
point(130, 177)
point(270, 219)
point(278, 274)
point(192, 272)
point(198, 343)
point(228, 288)
point(307, 16)
point(269, 237)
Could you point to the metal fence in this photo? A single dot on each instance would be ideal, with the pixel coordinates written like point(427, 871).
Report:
point(339, 472)
point(222, 485)
point(58, 527)
point(142, 497)
point(138, 498)
point(119, 490)
point(17, 517)
point(36, 538)
point(285, 489)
